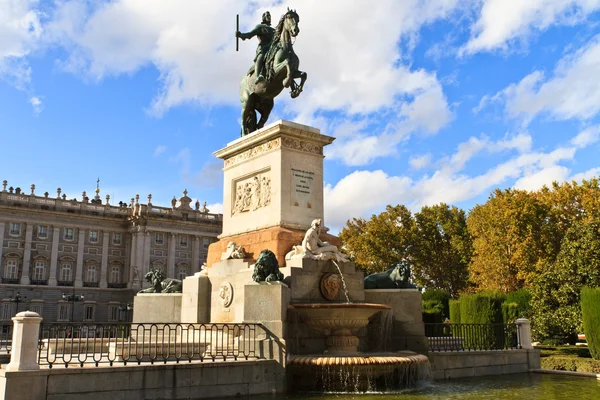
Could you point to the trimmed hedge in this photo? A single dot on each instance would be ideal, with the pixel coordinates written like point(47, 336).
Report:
point(436, 296)
point(510, 312)
point(590, 313)
point(522, 298)
point(454, 306)
point(481, 308)
point(571, 364)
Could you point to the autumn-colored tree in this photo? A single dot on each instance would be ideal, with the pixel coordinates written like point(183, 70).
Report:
point(442, 248)
point(510, 240)
point(376, 244)
point(569, 203)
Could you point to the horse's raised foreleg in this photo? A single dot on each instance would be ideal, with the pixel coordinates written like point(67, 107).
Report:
point(296, 90)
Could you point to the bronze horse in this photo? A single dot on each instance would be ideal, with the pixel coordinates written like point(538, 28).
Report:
point(281, 64)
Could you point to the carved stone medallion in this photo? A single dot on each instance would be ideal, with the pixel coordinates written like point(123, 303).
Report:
point(330, 286)
point(226, 294)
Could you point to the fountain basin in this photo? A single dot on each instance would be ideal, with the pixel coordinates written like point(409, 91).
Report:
point(357, 372)
point(338, 321)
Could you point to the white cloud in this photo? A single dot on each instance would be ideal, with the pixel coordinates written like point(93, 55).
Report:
point(587, 137)
point(20, 29)
point(449, 183)
point(371, 81)
point(159, 150)
point(590, 173)
point(420, 162)
point(573, 91)
point(501, 22)
point(543, 177)
point(37, 104)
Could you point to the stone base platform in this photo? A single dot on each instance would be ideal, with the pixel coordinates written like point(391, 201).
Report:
point(279, 240)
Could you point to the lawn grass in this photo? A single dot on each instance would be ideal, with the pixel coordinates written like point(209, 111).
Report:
point(568, 358)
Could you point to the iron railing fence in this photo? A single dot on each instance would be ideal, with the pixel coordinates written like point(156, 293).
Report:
point(77, 344)
point(471, 337)
point(6, 330)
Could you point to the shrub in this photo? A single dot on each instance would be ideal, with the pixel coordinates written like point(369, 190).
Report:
point(522, 298)
point(454, 306)
point(590, 312)
point(483, 308)
point(437, 296)
point(510, 312)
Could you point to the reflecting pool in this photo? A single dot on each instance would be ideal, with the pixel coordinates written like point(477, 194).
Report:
point(504, 387)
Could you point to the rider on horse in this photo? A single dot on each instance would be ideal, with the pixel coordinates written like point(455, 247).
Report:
point(264, 32)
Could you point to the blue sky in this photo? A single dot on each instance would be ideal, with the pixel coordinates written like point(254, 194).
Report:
point(431, 101)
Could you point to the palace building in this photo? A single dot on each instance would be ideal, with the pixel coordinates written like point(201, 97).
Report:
point(82, 260)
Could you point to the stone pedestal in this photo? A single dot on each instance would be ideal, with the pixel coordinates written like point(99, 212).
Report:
point(408, 330)
point(273, 188)
point(267, 303)
point(26, 330)
point(304, 276)
point(157, 308)
point(195, 299)
point(227, 281)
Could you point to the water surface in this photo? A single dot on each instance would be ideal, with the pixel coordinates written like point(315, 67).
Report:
point(504, 387)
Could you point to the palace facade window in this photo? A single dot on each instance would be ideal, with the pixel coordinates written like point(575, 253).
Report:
point(11, 268)
point(89, 312)
point(91, 272)
point(116, 239)
point(93, 236)
point(115, 274)
point(68, 233)
point(39, 271)
point(42, 231)
point(158, 238)
point(64, 312)
point(183, 240)
point(15, 229)
point(66, 272)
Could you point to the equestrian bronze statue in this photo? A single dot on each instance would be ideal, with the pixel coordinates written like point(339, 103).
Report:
point(275, 67)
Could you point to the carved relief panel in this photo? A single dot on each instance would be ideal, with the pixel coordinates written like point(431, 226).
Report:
point(252, 193)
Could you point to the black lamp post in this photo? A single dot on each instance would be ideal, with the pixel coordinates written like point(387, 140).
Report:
point(18, 299)
point(72, 298)
point(126, 308)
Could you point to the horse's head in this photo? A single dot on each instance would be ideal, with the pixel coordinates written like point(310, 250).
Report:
point(288, 22)
point(292, 19)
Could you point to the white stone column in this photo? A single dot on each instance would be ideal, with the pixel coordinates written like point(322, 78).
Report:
point(104, 264)
point(79, 270)
point(26, 330)
point(171, 256)
point(52, 280)
point(2, 227)
point(524, 332)
point(147, 239)
point(139, 256)
point(27, 256)
point(195, 255)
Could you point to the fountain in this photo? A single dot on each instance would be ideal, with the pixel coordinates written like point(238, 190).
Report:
point(332, 333)
point(342, 367)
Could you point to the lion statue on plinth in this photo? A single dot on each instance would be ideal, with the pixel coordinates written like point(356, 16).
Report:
point(396, 277)
point(161, 284)
point(266, 268)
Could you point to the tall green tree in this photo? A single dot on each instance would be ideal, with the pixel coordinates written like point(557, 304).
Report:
point(510, 240)
point(376, 244)
point(442, 248)
point(556, 291)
